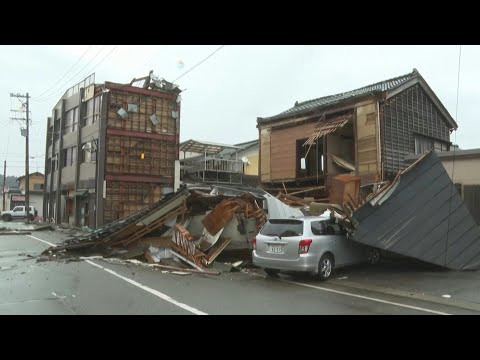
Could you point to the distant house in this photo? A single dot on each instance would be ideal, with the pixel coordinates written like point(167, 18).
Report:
point(36, 186)
point(463, 167)
point(13, 197)
point(203, 161)
point(367, 132)
point(248, 154)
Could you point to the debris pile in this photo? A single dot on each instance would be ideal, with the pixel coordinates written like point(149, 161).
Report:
point(189, 225)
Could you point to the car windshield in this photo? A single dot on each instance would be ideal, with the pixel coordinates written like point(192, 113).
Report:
point(283, 228)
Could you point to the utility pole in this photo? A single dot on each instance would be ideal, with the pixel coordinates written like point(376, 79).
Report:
point(27, 157)
point(4, 183)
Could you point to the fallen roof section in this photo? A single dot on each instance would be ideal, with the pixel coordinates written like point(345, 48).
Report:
point(325, 127)
point(421, 215)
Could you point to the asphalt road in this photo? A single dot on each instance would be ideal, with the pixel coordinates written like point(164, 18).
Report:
point(98, 287)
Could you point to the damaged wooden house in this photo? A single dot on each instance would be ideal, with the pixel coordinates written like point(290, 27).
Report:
point(366, 133)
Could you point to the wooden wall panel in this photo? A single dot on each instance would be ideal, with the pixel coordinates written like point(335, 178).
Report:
point(283, 150)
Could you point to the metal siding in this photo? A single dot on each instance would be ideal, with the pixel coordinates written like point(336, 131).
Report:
point(423, 212)
point(409, 112)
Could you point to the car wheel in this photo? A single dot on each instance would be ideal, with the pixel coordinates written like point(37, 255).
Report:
point(31, 217)
point(272, 272)
point(373, 256)
point(6, 218)
point(325, 267)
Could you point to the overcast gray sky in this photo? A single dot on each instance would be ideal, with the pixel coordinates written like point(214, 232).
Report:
point(225, 94)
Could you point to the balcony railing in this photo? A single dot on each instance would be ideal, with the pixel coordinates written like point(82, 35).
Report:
point(213, 164)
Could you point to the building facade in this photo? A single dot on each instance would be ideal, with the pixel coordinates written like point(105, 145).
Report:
point(36, 185)
point(111, 150)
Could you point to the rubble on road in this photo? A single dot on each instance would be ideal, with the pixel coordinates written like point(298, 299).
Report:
point(193, 225)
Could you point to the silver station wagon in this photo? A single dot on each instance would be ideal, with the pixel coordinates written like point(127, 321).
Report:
point(311, 244)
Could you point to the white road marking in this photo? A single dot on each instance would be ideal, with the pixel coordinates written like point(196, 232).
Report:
point(143, 287)
point(150, 290)
point(46, 242)
point(366, 298)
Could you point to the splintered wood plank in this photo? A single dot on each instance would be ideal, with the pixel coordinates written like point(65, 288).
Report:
point(217, 249)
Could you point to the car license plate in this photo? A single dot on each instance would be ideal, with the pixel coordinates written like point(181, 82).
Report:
point(278, 249)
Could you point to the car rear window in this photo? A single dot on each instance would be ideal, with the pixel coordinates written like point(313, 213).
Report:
point(283, 228)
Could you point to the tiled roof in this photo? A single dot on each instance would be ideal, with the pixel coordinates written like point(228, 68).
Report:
point(337, 98)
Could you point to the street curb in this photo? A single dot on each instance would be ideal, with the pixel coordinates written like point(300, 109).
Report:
point(409, 294)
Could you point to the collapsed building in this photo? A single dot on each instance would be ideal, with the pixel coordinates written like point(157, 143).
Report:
point(194, 224)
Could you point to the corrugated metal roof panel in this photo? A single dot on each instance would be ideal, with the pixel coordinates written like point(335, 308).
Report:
point(424, 217)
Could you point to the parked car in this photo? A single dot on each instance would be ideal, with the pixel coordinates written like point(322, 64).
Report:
point(313, 244)
point(19, 212)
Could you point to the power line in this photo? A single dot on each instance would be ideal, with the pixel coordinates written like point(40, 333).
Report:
point(68, 81)
point(453, 158)
point(81, 57)
point(186, 72)
point(101, 61)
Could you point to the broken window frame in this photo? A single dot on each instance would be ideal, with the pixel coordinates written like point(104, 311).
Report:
point(89, 109)
point(97, 108)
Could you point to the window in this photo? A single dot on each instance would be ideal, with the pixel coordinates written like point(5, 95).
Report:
point(70, 156)
point(75, 119)
point(88, 154)
point(37, 186)
point(424, 144)
point(68, 122)
point(318, 227)
point(98, 108)
point(88, 119)
point(56, 130)
point(327, 227)
point(283, 228)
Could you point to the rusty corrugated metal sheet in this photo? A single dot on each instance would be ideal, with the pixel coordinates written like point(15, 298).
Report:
point(421, 215)
point(220, 216)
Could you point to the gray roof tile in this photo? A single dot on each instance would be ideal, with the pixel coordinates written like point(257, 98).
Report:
point(334, 99)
